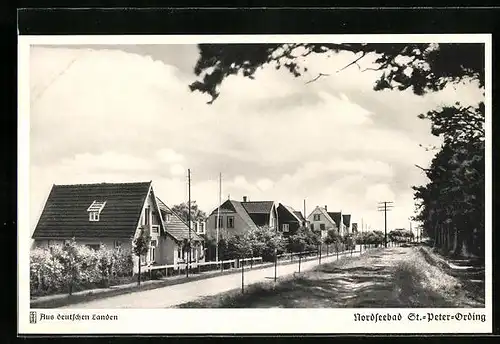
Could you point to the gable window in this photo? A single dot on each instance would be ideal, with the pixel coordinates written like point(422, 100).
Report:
point(317, 217)
point(202, 227)
point(286, 227)
point(147, 215)
point(155, 229)
point(230, 222)
point(167, 218)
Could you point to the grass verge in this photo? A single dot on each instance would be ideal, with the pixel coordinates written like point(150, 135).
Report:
point(385, 278)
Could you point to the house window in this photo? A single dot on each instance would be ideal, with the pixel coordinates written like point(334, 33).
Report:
point(286, 227)
point(230, 222)
point(147, 214)
point(312, 226)
point(167, 218)
point(95, 209)
point(152, 251)
point(317, 217)
point(155, 229)
point(201, 228)
point(94, 247)
point(93, 216)
point(179, 252)
point(117, 244)
point(322, 226)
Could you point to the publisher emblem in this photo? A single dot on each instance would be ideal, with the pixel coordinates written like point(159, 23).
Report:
point(32, 317)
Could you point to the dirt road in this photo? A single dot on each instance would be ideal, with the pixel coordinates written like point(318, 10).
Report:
point(176, 294)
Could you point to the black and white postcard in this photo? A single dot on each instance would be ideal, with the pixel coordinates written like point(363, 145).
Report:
point(255, 184)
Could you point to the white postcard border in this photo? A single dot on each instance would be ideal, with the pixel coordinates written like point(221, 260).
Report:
point(157, 321)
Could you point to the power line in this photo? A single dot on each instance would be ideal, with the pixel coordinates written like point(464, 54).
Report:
point(385, 206)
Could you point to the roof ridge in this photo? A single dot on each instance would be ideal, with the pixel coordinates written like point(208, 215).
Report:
point(255, 201)
point(103, 183)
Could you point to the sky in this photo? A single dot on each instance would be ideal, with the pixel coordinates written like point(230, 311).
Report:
point(125, 113)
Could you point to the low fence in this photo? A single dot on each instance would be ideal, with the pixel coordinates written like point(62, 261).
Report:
point(198, 267)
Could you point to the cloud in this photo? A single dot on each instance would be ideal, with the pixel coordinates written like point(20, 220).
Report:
point(168, 155)
point(265, 184)
point(379, 192)
point(177, 169)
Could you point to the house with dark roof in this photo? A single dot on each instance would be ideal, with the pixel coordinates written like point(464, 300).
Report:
point(112, 214)
point(178, 236)
point(237, 217)
point(346, 221)
point(289, 220)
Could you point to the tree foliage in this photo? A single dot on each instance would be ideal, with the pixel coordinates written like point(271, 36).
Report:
point(400, 235)
point(421, 67)
point(371, 238)
point(76, 267)
point(262, 242)
point(182, 211)
point(303, 239)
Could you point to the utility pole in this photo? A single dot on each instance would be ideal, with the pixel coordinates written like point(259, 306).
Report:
point(305, 215)
point(361, 236)
point(217, 224)
point(189, 224)
point(385, 206)
point(411, 232)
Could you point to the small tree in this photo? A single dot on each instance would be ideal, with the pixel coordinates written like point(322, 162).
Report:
point(333, 238)
point(140, 247)
point(70, 259)
point(297, 242)
point(105, 264)
point(348, 241)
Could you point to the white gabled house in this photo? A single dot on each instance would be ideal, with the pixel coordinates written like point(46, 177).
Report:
point(112, 214)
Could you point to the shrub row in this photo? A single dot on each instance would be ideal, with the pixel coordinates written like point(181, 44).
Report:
point(72, 267)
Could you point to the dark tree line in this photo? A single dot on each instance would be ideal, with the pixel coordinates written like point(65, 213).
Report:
point(451, 205)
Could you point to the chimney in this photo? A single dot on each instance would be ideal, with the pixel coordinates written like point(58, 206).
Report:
point(244, 198)
point(326, 208)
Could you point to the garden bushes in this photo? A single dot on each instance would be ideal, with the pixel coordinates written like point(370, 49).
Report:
point(72, 267)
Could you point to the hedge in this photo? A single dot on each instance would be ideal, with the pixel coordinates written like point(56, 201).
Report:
point(74, 267)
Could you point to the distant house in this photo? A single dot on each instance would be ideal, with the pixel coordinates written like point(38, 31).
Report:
point(111, 214)
point(346, 221)
point(321, 221)
point(289, 220)
point(178, 236)
point(238, 217)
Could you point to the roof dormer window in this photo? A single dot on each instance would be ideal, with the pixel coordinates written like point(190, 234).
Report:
point(93, 216)
point(95, 210)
